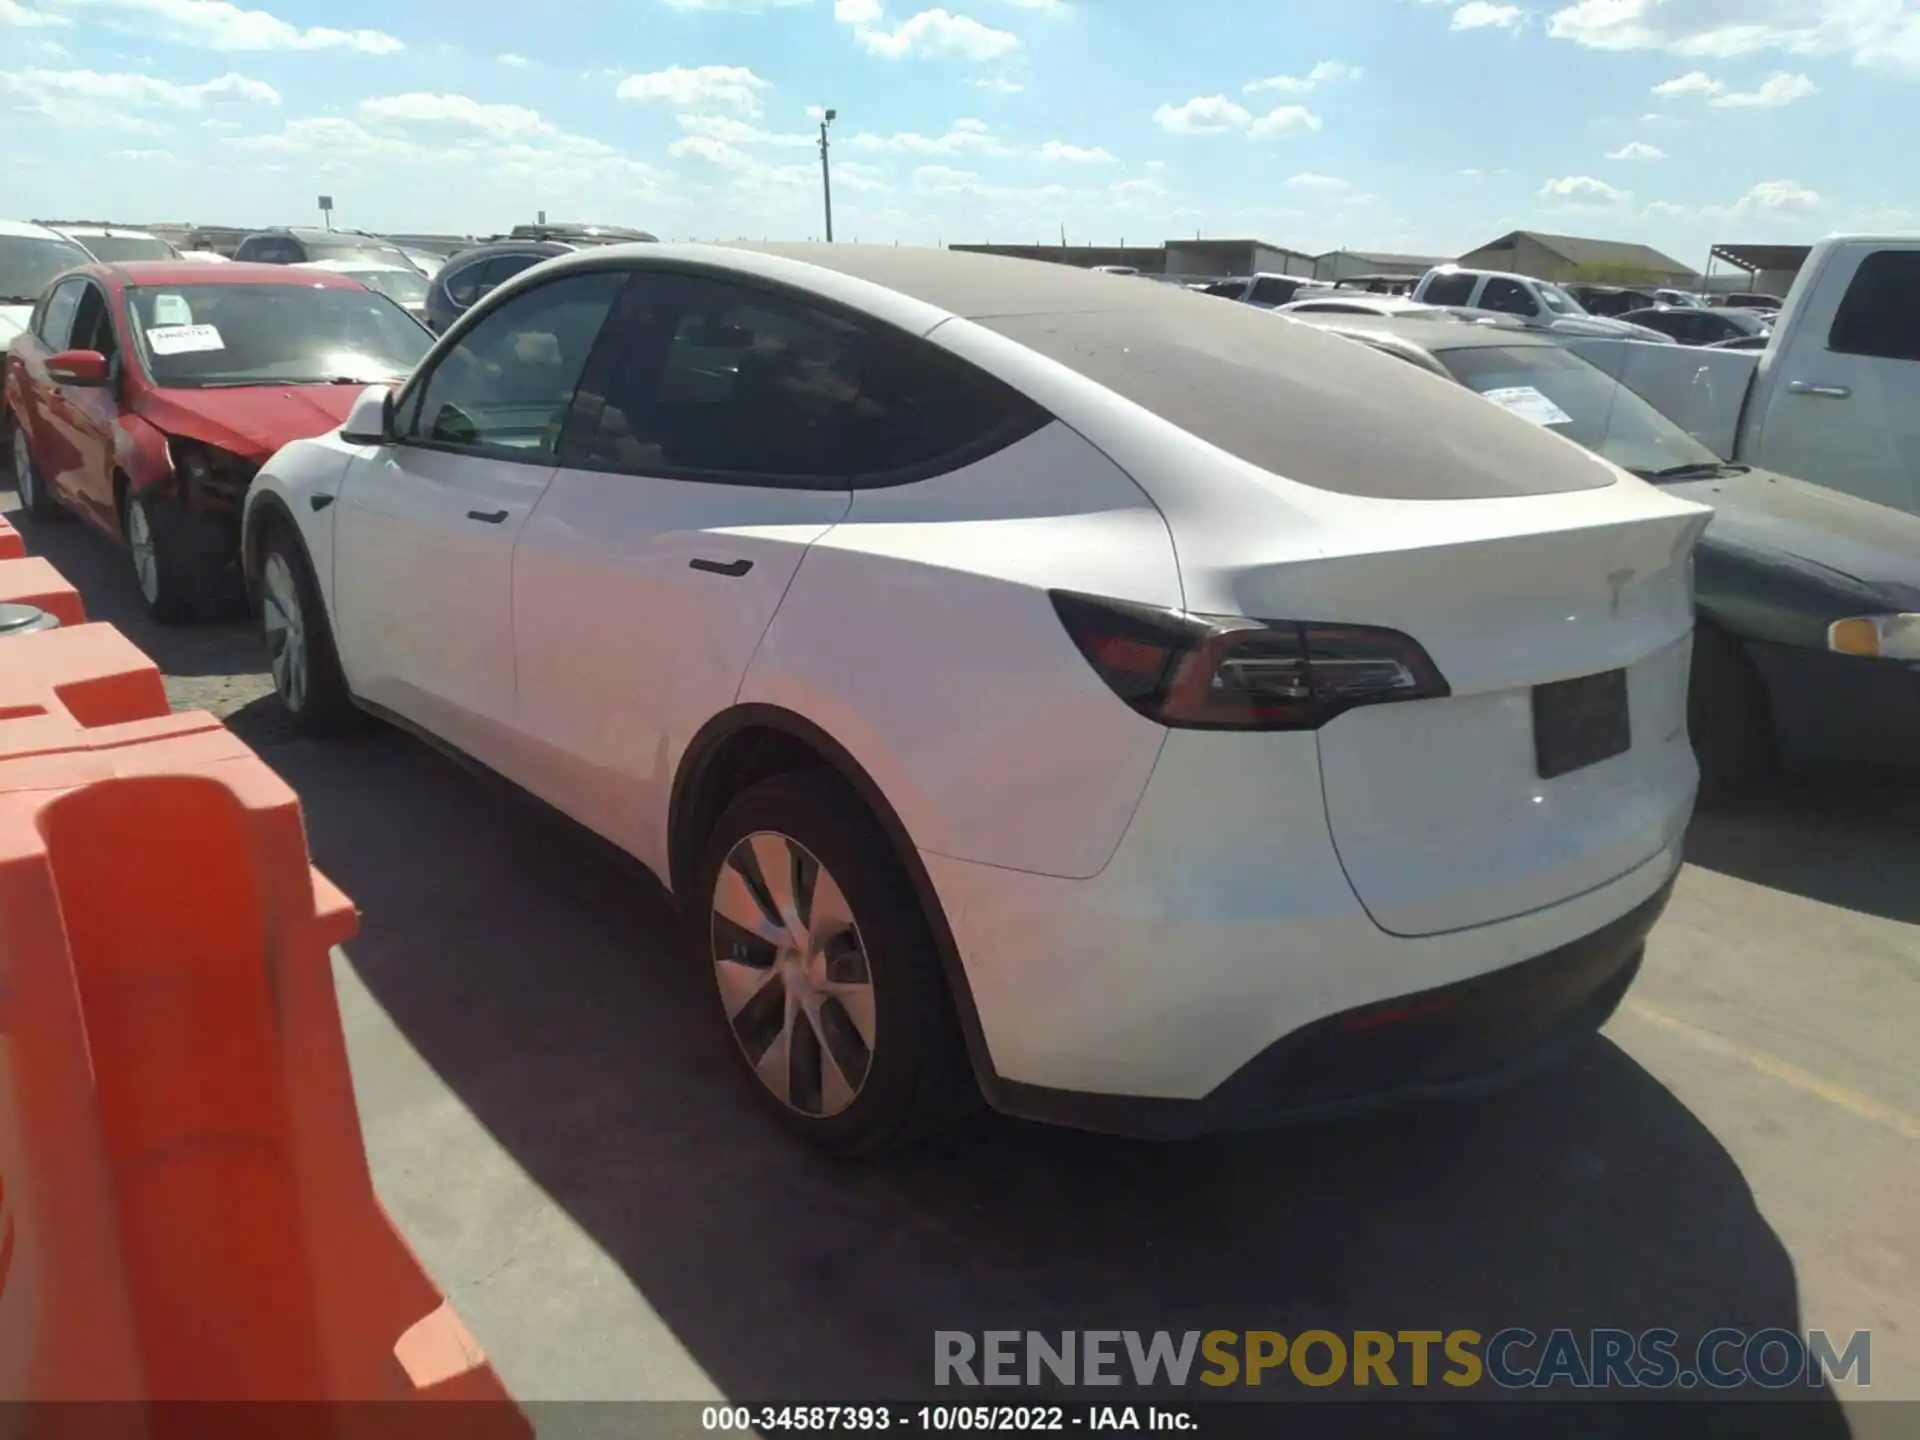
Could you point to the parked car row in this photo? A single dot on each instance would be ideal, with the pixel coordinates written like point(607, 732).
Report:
point(1833, 397)
point(959, 637)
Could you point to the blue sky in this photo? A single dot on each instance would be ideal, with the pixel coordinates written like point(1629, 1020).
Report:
point(1427, 126)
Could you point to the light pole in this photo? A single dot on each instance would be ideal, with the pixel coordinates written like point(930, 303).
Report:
point(826, 177)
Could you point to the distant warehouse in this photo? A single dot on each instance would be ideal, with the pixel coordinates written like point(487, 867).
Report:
point(1569, 257)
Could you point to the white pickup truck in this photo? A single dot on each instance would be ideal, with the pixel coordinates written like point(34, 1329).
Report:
point(1536, 304)
point(1834, 398)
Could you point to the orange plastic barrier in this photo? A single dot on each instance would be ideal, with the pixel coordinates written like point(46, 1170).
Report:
point(11, 547)
point(186, 1212)
point(29, 580)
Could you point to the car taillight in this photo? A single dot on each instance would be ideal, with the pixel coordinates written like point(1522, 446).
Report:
point(1213, 672)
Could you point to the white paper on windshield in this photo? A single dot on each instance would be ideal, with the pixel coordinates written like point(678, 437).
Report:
point(172, 310)
point(184, 339)
point(1529, 404)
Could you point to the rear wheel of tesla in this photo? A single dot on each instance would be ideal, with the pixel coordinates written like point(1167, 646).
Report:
point(825, 970)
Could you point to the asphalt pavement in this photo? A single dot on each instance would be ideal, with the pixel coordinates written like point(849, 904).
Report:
point(556, 1126)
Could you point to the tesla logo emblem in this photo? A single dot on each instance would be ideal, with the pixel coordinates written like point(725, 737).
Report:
point(1616, 582)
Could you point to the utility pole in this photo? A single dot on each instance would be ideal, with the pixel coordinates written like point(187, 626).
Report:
point(826, 176)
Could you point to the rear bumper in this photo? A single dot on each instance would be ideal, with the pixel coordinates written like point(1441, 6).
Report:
point(1848, 708)
point(1469, 1038)
point(1194, 983)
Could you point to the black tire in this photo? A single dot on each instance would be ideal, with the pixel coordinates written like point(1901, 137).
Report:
point(1727, 718)
point(28, 483)
point(179, 580)
point(321, 705)
point(917, 1080)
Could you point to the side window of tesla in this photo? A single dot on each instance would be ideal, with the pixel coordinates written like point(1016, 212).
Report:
point(506, 386)
point(718, 382)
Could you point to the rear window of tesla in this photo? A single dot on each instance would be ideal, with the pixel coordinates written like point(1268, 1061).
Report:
point(1315, 408)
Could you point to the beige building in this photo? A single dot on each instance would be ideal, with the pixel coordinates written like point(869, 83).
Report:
point(1210, 258)
point(1760, 269)
point(1570, 257)
point(1351, 264)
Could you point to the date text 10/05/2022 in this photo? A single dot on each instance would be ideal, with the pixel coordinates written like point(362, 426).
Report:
point(1513, 1359)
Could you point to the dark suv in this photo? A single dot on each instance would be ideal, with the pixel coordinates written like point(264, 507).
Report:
point(580, 234)
point(296, 245)
point(460, 283)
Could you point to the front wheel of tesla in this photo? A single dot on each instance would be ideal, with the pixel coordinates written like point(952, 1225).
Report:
point(825, 970)
point(293, 622)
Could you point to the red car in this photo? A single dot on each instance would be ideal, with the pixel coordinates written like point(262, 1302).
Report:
point(143, 397)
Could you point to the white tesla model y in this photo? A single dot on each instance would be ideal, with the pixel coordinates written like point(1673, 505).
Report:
point(1033, 683)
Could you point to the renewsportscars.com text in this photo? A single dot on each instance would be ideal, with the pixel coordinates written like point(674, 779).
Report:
point(1512, 1359)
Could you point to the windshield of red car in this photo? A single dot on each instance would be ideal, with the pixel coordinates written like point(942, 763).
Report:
point(28, 262)
point(293, 334)
point(409, 287)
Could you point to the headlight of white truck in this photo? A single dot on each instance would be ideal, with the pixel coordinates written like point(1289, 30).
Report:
point(1890, 637)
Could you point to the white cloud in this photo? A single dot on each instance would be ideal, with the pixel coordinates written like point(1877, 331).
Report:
point(1075, 154)
point(1694, 82)
point(1284, 120)
point(1781, 197)
point(1202, 115)
point(1327, 72)
point(738, 132)
point(15, 13)
point(1870, 32)
point(936, 34)
point(1322, 184)
point(1777, 89)
point(518, 62)
point(218, 25)
point(1637, 150)
point(699, 87)
point(714, 152)
point(143, 157)
point(1584, 190)
point(1481, 15)
point(50, 86)
point(966, 137)
point(456, 111)
point(851, 175)
point(464, 166)
point(998, 85)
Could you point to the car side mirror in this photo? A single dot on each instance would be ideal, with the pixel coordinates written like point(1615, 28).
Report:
point(80, 367)
point(370, 421)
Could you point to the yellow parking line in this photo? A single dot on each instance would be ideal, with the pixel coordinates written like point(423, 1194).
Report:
point(1852, 1101)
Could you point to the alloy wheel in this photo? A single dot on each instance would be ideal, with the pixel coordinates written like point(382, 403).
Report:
point(793, 974)
point(22, 467)
point(285, 631)
point(146, 562)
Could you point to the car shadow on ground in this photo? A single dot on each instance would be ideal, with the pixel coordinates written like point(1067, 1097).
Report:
point(534, 972)
point(1845, 838)
point(102, 572)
